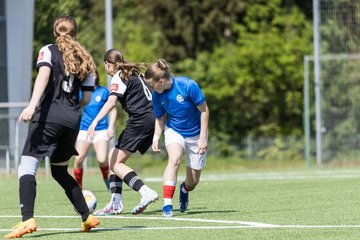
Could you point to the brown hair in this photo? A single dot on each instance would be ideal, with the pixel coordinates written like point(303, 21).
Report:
point(76, 59)
point(158, 70)
point(96, 78)
point(115, 57)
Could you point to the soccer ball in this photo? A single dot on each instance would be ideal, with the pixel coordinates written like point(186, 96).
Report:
point(90, 200)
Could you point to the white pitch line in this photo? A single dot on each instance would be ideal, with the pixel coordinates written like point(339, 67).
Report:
point(243, 224)
point(273, 176)
point(196, 227)
point(255, 224)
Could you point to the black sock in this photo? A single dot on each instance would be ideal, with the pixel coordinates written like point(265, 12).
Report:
point(27, 193)
point(72, 189)
point(133, 181)
point(115, 184)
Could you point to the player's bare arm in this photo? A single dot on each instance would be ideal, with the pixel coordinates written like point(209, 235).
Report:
point(159, 128)
point(202, 146)
point(41, 83)
point(108, 106)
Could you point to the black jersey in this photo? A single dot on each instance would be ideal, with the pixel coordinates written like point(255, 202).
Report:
point(135, 99)
point(60, 101)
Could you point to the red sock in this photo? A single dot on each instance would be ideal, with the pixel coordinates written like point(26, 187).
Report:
point(78, 174)
point(105, 172)
point(168, 191)
point(187, 189)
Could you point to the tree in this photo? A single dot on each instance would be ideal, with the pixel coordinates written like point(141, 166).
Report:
point(254, 86)
point(190, 27)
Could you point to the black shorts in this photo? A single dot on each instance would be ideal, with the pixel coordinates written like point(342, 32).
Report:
point(50, 140)
point(135, 139)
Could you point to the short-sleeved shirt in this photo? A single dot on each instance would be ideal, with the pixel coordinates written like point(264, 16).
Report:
point(180, 102)
point(60, 101)
point(135, 99)
point(97, 101)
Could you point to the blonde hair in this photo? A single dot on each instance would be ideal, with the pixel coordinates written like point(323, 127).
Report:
point(76, 59)
point(115, 57)
point(158, 70)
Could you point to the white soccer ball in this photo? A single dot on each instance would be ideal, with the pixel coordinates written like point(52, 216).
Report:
point(90, 200)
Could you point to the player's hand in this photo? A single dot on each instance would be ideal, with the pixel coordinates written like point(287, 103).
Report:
point(91, 132)
point(202, 146)
point(111, 133)
point(155, 144)
point(27, 114)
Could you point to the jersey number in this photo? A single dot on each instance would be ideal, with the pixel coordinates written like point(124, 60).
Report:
point(67, 85)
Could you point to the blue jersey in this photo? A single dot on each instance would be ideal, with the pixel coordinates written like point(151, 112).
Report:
point(97, 101)
point(180, 103)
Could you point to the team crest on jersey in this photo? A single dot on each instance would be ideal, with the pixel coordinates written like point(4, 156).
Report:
point(114, 87)
point(97, 98)
point(179, 98)
point(41, 56)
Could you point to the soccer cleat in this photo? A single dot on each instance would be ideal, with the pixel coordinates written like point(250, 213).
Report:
point(91, 222)
point(110, 209)
point(183, 199)
point(167, 211)
point(149, 197)
point(22, 228)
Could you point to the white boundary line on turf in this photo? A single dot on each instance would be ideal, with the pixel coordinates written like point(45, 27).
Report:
point(253, 224)
point(243, 224)
point(196, 227)
point(318, 174)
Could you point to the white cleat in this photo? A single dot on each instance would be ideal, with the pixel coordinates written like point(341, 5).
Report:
point(149, 197)
point(110, 209)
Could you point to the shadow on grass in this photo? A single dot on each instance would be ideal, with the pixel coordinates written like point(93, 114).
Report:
point(191, 212)
point(93, 232)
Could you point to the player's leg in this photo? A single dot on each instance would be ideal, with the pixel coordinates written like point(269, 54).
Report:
point(189, 184)
point(175, 145)
point(175, 152)
point(27, 185)
point(101, 150)
point(27, 193)
point(37, 144)
point(82, 147)
point(130, 177)
point(130, 141)
point(73, 191)
point(64, 150)
point(115, 206)
point(194, 164)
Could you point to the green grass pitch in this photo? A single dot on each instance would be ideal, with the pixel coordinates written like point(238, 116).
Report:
point(306, 204)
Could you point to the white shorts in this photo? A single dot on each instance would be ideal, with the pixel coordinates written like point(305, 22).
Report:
point(99, 135)
point(190, 145)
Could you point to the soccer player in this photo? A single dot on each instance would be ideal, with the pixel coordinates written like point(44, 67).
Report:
point(181, 102)
point(103, 133)
point(130, 90)
point(54, 113)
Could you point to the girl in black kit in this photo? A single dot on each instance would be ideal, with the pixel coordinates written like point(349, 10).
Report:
point(63, 69)
point(127, 86)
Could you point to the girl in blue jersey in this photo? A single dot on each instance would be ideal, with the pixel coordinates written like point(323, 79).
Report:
point(130, 90)
point(180, 102)
point(54, 112)
point(103, 133)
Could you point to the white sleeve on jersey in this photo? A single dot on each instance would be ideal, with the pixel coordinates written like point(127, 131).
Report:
point(117, 85)
point(44, 55)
